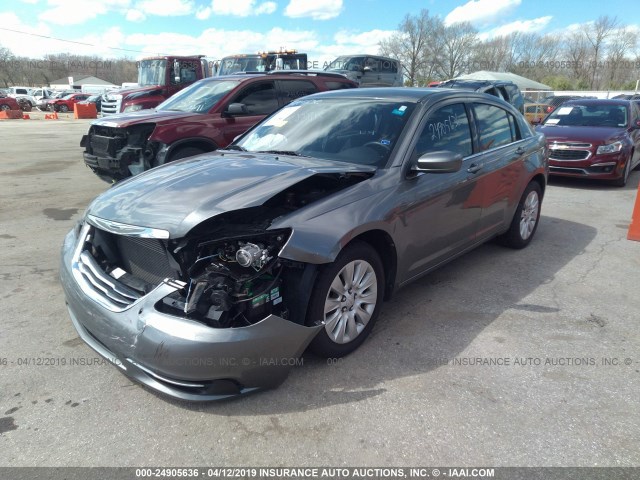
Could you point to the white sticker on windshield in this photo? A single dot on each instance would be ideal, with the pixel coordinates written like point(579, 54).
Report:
point(564, 111)
point(552, 121)
point(280, 118)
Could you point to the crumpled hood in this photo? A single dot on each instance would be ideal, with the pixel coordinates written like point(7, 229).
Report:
point(150, 115)
point(178, 196)
point(594, 135)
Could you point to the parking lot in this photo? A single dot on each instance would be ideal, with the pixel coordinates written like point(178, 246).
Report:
point(501, 358)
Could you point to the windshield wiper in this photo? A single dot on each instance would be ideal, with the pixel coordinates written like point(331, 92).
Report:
point(234, 147)
point(283, 152)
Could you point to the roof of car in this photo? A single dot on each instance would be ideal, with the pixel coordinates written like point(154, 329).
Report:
point(597, 101)
point(406, 94)
point(279, 74)
point(469, 83)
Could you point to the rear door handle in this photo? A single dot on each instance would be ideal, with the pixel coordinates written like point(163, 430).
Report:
point(520, 151)
point(475, 167)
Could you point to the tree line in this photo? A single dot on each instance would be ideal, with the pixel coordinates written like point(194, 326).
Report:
point(603, 54)
point(32, 72)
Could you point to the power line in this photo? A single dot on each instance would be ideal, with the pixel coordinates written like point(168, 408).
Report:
point(76, 42)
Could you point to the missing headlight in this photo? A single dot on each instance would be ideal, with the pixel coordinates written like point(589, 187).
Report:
point(234, 282)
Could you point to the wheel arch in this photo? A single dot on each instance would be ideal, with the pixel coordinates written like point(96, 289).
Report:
point(540, 179)
point(194, 142)
point(383, 244)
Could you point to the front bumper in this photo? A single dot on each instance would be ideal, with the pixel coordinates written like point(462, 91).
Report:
point(177, 356)
point(597, 167)
point(106, 168)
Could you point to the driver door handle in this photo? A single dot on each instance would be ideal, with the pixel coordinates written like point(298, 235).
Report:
point(475, 167)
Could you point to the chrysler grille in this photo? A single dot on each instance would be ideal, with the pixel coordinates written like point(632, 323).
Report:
point(145, 258)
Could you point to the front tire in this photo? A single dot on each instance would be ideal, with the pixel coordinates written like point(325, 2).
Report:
point(525, 221)
point(185, 152)
point(346, 298)
point(622, 181)
point(25, 105)
point(64, 108)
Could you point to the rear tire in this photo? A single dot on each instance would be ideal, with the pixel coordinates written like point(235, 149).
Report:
point(346, 298)
point(5, 108)
point(525, 221)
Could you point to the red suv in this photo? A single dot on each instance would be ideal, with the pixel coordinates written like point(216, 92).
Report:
point(8, 103)
point(66, 103)
point(205, 116)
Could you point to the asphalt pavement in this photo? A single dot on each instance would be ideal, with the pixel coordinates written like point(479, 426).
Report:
point(501, 358)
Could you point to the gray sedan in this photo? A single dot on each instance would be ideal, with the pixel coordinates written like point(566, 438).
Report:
point(209, 277)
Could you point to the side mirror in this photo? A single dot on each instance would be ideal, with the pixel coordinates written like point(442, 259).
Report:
point(236, 109)
point(443, 161)
point(636, 125)
point(176, 71)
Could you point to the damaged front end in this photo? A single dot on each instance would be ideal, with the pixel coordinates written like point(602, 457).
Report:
point(115, 153)
point(213, 314)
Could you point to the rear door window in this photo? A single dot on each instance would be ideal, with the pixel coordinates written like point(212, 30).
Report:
point(292, 89)
point(496, 127)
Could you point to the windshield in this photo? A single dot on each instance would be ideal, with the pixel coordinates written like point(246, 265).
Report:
point(601, 115)
point(152, 72)
point(347, 63)
point(68, 97)
point(230, 65)
point(361, 131)
point(199, 97)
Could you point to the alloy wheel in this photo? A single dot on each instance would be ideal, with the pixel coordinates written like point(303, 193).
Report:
point(351, 301)
point(529, 216)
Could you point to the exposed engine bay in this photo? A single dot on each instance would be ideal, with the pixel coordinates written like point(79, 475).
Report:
point(229, 265)
point(122, 151)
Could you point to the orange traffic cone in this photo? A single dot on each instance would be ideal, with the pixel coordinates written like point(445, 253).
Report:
point(634, 228)
point(25, 116)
